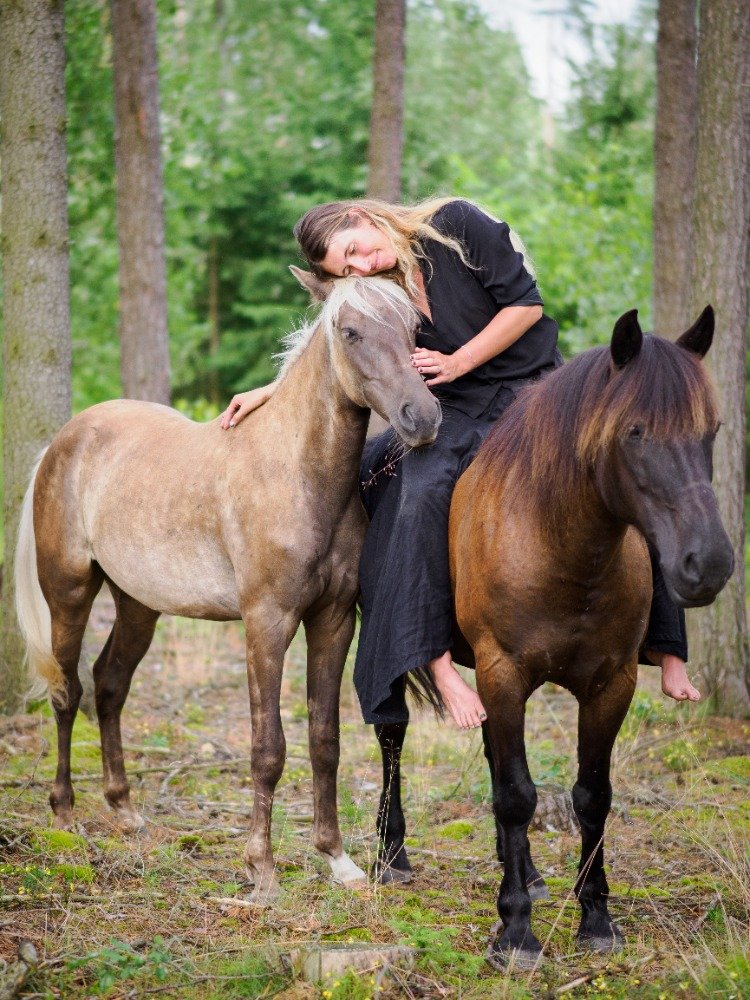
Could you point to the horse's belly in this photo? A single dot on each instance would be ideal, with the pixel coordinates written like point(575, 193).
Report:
point(199, 583)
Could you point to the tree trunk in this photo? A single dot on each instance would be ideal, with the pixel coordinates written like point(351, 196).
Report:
point(674, 163)
point(140, 209)
point(36, 347)
point(720, 274)
point(387, 118)
point(214, 323)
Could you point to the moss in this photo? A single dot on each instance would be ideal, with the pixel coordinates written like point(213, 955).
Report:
point(58, 840)
point(731, 768)
point(639, 891)
point(457, 830)
point(349, 934)
point(75, 873)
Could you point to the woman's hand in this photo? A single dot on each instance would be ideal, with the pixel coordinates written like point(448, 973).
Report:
point(244, 403)
point(443, 367)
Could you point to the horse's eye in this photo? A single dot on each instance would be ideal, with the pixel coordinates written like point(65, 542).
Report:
point(351, 334)
point(635, 431)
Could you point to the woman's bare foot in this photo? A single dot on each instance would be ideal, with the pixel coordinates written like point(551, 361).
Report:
point(461, 701)
point(674, 678)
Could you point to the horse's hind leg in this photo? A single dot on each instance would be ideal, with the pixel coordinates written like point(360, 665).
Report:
point(392, 864)
point(534, 882)
point(599, 721)
point(329, 635)
point(126, 646)
point(70, 605)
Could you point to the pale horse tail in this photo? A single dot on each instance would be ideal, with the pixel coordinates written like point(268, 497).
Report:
point(32, 609)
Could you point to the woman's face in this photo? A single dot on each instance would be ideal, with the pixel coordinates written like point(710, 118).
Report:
point(361, 249)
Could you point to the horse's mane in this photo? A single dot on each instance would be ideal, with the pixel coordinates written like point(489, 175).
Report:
point(367, 295)
point(542, 447)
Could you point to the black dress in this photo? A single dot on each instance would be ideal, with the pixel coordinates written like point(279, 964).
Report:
point(407, 611)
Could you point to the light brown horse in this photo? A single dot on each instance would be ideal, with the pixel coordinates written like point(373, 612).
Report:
point(262, 523)
point(552, 576)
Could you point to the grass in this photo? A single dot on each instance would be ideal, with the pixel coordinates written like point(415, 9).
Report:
point(155, 914)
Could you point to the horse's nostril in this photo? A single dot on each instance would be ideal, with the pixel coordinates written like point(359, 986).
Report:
point(407, 417)
point(691, 567)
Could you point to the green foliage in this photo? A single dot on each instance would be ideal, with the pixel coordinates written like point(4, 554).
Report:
point(120, 962)
point(265, 111)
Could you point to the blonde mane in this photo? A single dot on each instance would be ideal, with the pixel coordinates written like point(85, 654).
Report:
point(368, 295)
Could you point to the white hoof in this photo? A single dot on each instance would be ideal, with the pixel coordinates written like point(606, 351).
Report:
point(344, 870)
point(130, 821)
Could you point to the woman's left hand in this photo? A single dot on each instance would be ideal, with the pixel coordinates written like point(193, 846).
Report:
point(442, 367)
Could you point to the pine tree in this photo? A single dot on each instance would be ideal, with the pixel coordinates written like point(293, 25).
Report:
point(674, 163)
point(720, 275)
point(36, 347)
point(140, 208)
point(387, 119)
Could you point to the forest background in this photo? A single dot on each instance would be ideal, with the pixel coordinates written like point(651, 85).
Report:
point(265, 111)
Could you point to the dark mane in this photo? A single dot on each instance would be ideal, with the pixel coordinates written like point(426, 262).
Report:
point(542, 447)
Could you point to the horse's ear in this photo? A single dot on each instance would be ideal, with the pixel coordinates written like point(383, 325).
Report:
point(627, 339)
point(319, 290)
point(698, 338)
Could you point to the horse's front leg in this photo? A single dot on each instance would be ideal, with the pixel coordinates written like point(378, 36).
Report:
point(329, 635)
point(392, 864)
point(534, 882)
point(599, 721)
point(269, 631)
point(514, 797)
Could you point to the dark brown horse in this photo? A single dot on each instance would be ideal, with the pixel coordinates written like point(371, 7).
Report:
point(262, 523)
point(552, 582)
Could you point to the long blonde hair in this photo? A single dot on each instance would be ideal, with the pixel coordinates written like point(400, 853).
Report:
point(405, 225)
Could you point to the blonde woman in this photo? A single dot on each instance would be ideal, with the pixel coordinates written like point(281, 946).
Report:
point(483, 335)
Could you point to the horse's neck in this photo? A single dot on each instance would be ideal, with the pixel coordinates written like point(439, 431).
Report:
point(325, 431)
point(587, 537)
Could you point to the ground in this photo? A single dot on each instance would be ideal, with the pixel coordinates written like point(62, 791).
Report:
point(164, 913)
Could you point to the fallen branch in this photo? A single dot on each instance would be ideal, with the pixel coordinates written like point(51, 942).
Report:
point(581, 981)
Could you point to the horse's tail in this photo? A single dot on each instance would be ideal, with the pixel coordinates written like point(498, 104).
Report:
point(32, 609)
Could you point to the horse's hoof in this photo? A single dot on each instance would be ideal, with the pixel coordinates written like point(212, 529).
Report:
point(603, 944)
point(130, 821)
point(397, 872)
point(264, 895)
point(64, 821)
point(507, 959)
point(394, 876)
point(538, 890)
point(346, 872)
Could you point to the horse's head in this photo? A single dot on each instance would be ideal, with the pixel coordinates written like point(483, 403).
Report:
point(653, 453)
point(370, 326)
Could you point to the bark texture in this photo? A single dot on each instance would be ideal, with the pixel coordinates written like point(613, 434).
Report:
point(674, 163)
point(140, 208)
point(387, 119)
point(721, 272)
point(36, 342)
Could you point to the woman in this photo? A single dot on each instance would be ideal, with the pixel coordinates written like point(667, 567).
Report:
point(483, 335)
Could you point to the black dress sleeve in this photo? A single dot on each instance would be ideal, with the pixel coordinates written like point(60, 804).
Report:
point(497, 265)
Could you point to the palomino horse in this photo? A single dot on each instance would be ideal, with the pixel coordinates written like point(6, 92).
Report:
point(262, 523)
point(552, 582)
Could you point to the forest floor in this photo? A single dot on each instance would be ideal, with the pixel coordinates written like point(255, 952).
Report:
point(161, 914)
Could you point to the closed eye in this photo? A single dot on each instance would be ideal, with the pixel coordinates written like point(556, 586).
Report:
point(350, 251)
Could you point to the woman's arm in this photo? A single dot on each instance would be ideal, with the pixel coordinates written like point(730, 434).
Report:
point(502, 331)
point(244, 403)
